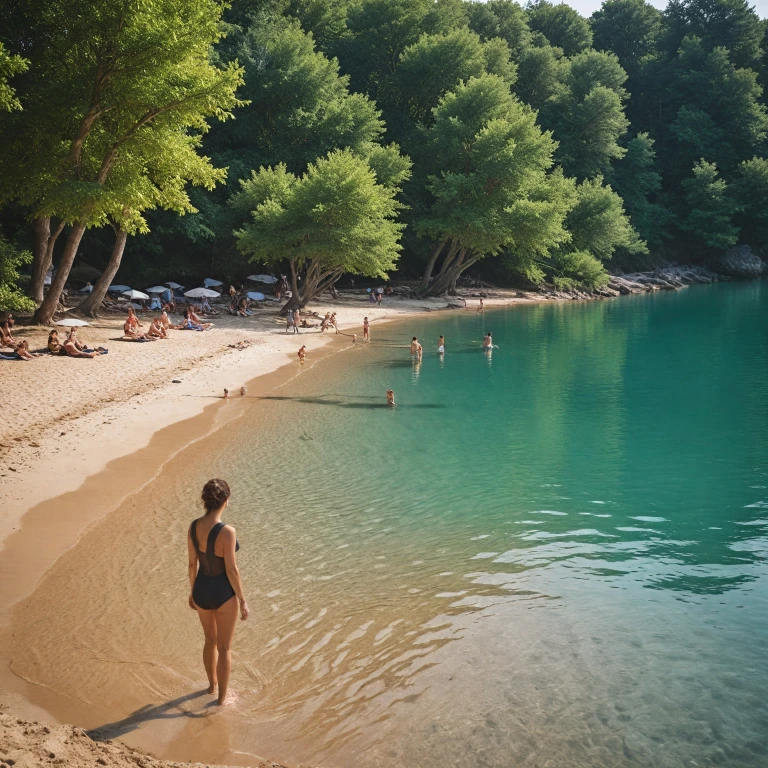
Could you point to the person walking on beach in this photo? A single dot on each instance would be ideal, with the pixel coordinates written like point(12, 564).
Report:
point(366, 330)
point(302, 353)
point(216, 591)
point(296, 319)
point(480, 307)
point(416, 350)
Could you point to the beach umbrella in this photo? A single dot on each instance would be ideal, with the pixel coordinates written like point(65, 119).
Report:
point(134, 294)
point(202, 293)
point(173, 285)
point(118, 288)
point(157, 289)
point(71, 322)
point(268, 279)
point(255, 295)
point(209, 282)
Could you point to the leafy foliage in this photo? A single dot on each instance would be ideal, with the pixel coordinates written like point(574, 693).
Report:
point(12, 260)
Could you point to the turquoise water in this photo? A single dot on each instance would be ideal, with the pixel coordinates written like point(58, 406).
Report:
point(554, 554)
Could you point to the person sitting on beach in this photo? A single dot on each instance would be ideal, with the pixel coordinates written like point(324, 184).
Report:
point(388, 291)
point(73, 347)
point(6, 333)
point(22, 351)
point(441, 345)
point(391, 397)
point(157, 329)
point(416, 350)
point(133, 320)
point(166, 322)
point(131, 334)
point(54, 345)
point(216, 590)
point(190, 315)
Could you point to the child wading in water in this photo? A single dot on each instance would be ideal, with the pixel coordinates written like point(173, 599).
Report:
point(302, 354)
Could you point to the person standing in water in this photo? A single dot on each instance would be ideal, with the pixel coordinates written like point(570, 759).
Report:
point(366, 329)
point(391, 397)
point(480, 307)
point(441, 345)
point(302, 353)
point(416, 350)
point(487, 342)
point(216, 591)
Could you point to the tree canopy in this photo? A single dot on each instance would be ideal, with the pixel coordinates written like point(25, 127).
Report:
point(522, 140)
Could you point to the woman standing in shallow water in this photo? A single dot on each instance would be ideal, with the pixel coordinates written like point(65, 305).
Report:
point(216, 590)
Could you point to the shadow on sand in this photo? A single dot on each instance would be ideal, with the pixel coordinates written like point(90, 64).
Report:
point(169, 710)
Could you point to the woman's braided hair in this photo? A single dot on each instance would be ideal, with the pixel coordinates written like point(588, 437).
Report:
point(215, 493)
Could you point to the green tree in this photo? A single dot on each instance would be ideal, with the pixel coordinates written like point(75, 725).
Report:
point(12, 298)
point(637, 180)
point(9, 66)
point(629, 28)
point(500, 18)
point(126, 71)
point(489, 181)
point(335, 218)
point(598, 226)
point(539, 75)
point(437, 63)
point(750, 190)
point(561, 25)
point(586, 114)
point(713, 109)
point(730, 24)
point(710, 207)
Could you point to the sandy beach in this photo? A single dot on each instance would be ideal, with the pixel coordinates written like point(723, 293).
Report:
point(72, 419)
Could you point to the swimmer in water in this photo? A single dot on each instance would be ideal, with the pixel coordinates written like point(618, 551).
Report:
point(391, 397)
point(441, 345)
point(416, 350)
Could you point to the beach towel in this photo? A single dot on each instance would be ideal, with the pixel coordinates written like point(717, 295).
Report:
point(9, 357)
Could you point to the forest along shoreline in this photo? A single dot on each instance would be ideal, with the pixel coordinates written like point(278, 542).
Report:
point(66, 442)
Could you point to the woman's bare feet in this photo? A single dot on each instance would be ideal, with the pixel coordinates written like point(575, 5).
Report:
point(212, 688)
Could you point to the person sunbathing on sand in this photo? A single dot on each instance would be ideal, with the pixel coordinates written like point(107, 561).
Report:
point(22, 351)
point(157, 329)
point(71, 349)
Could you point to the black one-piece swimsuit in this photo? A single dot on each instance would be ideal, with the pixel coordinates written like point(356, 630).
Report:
point(212, 588)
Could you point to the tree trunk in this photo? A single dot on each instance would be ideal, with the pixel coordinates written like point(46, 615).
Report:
point(452, 287)
point(45, 312)
point(431, 265)
point(91, 304)
point(43, 258)
point(450, 273)
point(293, 302)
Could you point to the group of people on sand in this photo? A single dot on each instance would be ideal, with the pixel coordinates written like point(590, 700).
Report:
point(160, 325)
point(329, 321)
point(69, 346)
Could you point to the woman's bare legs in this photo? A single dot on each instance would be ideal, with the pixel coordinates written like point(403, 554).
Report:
point(226, 620)
point(208, 620)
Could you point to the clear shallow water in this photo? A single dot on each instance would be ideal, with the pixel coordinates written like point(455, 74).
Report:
point(553, 555)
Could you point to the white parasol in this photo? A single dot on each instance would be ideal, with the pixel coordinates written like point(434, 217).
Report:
point(71, 322)
point(202, 293)
point(157, 289)
point(134, 294)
